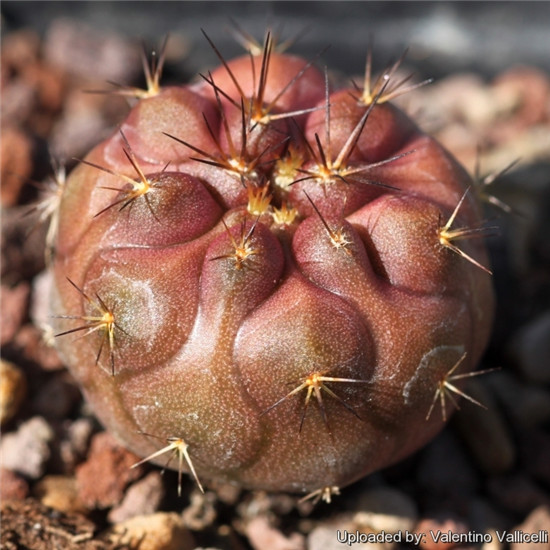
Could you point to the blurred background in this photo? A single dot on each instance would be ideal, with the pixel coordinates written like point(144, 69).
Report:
point(443, 37)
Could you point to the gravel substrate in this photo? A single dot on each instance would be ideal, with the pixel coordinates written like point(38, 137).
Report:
point(65, 483)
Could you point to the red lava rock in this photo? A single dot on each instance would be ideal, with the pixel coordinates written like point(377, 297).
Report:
point(35, 95)
point(104, 476)
point(22, 246)
point(33, 91)
point(432, 527)
point(13, 309)
point(19, 51)
point(49, 84)
point(20, 48)
point(18, 104)
point(31, 345)
point(84, 50)
point(12, 485)
point(532, 89)
point(15, 164)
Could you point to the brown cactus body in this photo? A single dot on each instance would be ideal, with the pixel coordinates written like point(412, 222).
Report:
point(288, 304)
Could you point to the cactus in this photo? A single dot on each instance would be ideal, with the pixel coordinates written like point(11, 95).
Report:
point(278, 279)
